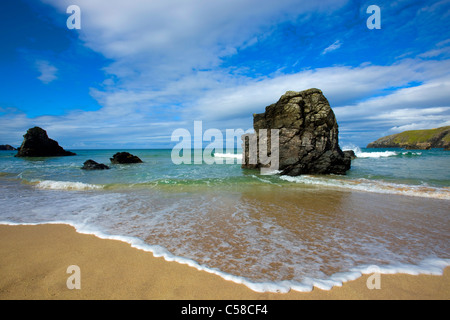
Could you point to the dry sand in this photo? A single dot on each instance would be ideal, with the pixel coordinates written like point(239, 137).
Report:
point(34, 262)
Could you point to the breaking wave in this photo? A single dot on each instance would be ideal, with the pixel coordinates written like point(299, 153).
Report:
point(66, 185)
point(381, 154)
point(373, 186)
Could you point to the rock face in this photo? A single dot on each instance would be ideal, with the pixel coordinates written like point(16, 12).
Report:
point(350, 153)
point(124, 158)
point(416, 139)
point(7, 147)
point(308, 135)
point(36, 143)
point(92, 165)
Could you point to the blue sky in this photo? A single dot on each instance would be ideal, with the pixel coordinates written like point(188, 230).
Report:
point(138, 70)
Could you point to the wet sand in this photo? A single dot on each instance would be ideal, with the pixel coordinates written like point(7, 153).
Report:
point(34, 262)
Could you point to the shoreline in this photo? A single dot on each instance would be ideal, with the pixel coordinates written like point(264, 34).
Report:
point(35, 259)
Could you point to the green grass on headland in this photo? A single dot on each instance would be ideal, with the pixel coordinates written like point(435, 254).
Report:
point(415, 139)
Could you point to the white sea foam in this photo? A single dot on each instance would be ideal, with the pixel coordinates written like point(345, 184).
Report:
point(373, 186)
point(66, 185)
point(381, 154)
point(410, 153)
point(385, 154)
point(266, 180)
point(268, 172)
point(376, 154)
point(228, 155)
point(432, 266)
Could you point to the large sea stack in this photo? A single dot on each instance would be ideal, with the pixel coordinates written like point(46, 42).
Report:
point(308, 135)
point(36, 143)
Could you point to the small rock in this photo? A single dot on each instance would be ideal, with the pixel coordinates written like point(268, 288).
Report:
point(92, 165)
point(125, 158)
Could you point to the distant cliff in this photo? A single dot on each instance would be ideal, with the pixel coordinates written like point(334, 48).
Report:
point(6, 147)
point(416, 139)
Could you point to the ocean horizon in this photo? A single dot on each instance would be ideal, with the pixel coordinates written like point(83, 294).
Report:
point(275, 233)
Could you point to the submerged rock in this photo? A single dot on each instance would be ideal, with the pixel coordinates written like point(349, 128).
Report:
point(36, 143)
point(92, 165)
point(125, 158)
point(308, 135)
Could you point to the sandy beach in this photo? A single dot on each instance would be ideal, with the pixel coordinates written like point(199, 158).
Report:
point(35, 258)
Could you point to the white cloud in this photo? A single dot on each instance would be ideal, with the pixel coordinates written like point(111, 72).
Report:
point(415, 119)
point(434, 93)
point(48, 71)
point(166, 55)
point(159, 41)
point(336, 45)
point(442, 50)
point(346, 88)
point(419, 126)
point(129, 118)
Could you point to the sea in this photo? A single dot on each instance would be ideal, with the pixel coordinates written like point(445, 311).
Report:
point(389, 214)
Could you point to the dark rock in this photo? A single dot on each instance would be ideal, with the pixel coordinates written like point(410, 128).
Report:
point(36, 143)
point(7, 147)
point(308, 135)
point(124, 158)
point(350, 154)
point(92, 165)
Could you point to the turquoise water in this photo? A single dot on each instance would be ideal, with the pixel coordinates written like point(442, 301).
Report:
point(415, 168)
point(271, 232)
point(430, 167)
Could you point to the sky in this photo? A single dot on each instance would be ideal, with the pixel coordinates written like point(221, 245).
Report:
point(137, 70)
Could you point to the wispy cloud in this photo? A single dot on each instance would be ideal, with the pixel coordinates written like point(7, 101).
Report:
point(442, 50)
point(48, 71)
point(161, 41)
point(336, 45)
